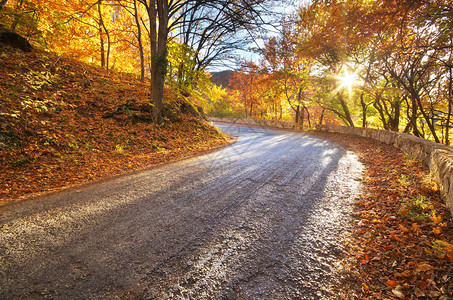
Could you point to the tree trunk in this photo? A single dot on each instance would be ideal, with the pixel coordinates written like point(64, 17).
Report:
point(296, 119)
point(447, 128)
point(364, 107)
point(140, 44)
point(102, 48)
point(427, 119)
point(380, 110)
point(321, 118)
point(101, 21)
point(152, 14)
point(157, 60)
point(347, 113)
point(160, 61)
point(395, 121)
point(308, 117)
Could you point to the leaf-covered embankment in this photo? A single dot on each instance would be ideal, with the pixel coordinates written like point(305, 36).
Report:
point(401, 243)
point(64, 123)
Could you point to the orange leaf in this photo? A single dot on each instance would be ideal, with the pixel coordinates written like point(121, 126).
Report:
point(404, 229)
point(394, 236)
point(392, 283)
point(424, 267)
point(437, 230)
point(403, 274)
point(415, 227)
point(436, 219)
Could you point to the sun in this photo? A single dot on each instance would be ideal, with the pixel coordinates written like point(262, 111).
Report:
point(348, 80)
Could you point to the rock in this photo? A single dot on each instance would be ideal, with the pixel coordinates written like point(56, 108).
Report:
point(14, 40)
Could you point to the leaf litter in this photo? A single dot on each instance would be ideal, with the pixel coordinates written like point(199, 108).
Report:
point(401, 246)
point(65, 123)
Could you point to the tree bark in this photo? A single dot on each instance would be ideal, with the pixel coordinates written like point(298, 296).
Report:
point(140, 43)
point(395, 121)
point(427, 119)
point(297, 118)
point(101, 22)
point(152, 15)
point(450, 99)
point(160, 62)
point(101, 40)
point(347, 113)
point(321, 118)
point(364, 107)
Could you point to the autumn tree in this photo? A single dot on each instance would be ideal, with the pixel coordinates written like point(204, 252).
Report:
point(393, 47)
point(292, 74)
point(245, 81)
point(184, 18)
point(207, 30)
point(329, 34)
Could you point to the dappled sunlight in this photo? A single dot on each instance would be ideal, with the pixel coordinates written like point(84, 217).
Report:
point(348, 80)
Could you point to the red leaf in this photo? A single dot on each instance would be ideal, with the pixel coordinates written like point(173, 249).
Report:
point(392, 283)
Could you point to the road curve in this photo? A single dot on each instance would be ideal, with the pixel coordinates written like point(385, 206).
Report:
point(260, 219)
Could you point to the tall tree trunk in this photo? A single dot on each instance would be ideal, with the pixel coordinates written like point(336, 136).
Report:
point(160, 61)
point(152, 14)
point(101, 21)
point(101, 39)
point(140, 43)
point(450, 99)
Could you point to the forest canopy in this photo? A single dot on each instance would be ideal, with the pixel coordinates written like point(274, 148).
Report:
point(168, 42)
point(378, 63)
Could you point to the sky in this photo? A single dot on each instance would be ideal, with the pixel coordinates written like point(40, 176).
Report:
point(283, 9)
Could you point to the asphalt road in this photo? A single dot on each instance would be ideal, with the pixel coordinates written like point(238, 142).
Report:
point(260, 219)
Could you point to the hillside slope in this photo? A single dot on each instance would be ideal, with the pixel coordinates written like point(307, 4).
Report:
point(222, 78)
point(64, 123)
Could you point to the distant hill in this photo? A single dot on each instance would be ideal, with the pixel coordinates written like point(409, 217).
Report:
point(222, 78)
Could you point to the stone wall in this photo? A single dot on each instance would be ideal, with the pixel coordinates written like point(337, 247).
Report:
point(438, 157)
point(256, 122)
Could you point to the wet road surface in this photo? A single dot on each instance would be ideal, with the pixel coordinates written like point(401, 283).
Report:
point(260, 219)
